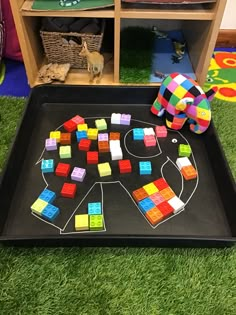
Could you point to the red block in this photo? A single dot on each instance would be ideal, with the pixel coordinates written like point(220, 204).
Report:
point(62, 169)
point(70, 125)
point(78, 120)
point(125, 166)
point(84, 144)
point(165, 208)
point(92, 157)
point(68, 190)
point(160, 184)
point(149, 141)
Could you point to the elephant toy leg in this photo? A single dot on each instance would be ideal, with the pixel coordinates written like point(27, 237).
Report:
point(175, 122)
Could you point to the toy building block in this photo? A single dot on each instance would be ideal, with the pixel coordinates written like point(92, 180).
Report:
point(114, 144)
point(176, 204)
point(84, 144)
point(189, 172)
point(94, 208)
point(50, 144)
point(78, 120)
point(161, 131)
point(92, 157)
point(50, 212)
point(146, 204)
point(145, 168)
point(68, 190)
point(62, 169)
point(55, 135)
point(157, 198)
point(82, 127)
point(38, 206)
point(116, 154)
point(70, 125)
point(92, 133)
point(114, 136)
point(184, 150)
point(104, 169)
point(81, 135)
point(183, 161)
point(47, 195)
point(160, 183)
point(125, 119)
point(81, 222)
point(103, 137)
point(139, 194)
point(78, 174)
point(154, 216)
point(96, 222)
point(150, 188)
point(103, 146)
point(149, 132)
point(138, 134)
point(167, 193)
point(47, 166)
point(125, 166)
point(101, 124)
point(65, 138)
point(65, 152)
point(165, 208)
point(150, 141)
point(115, 118)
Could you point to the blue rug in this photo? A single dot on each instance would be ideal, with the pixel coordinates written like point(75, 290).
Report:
point(15, 82)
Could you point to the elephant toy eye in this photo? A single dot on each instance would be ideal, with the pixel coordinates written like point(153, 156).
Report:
point(203, 114)
point(174, 140)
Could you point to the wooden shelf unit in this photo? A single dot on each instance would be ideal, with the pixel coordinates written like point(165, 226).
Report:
point(200, 27)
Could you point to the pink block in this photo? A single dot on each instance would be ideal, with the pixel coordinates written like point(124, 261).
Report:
point(161, 131)
point(150, 141)
point(157, 198)
point(78, 120)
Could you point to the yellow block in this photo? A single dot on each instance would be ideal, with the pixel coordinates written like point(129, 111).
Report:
point(81, 222)
point(55, 135)
point(150, 189)
point(92, 133)
point(104, 169)
point(82, 127)
point(38, 206)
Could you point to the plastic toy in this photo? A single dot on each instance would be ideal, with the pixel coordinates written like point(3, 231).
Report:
point(82, 127)
point(103, 146)
point(115, 118)
point(94, 208)
point(189, 172)
point(38, 206)
point(176, 204)
point(101, 124)
point(84, 144)
point(103, 137)
point(65, 138)
point(165, 208)
point(65, 152)
point(92, 157)
point(154, 216)
point(68, 190)
point(55, 135)
point(125, 166)
point(184, 150)
point(50, 144)
point(96, 222)
point(104, 169)
point(50, 212)
point(82, 134)
point(62, 169)
point(81, 222)
point(47, 195)
point(139, 194)
point(150, 141)
point(150, 189)
point(149, 131)
point(78, 174)
point(116, 153)
point(47, 166)
point(78, 120)
point(138, 134)
point(125, 119)
point(167, 193)
point(114, 136)
point(146, 204)
point(182, 98)
point(92, 133)
point(157, 198)
point(161, 131)
point(160, 183)
point(145, 168)
point(70, 125)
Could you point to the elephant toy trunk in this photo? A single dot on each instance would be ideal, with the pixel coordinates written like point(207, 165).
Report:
point(198, 129)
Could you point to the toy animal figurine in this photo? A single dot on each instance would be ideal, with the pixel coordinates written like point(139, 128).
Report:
point(182, 98)
point(95, 63)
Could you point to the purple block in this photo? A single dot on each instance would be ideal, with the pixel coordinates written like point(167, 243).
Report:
point(125, 119)
point(103, 137)
point(51, 144)
point(78, 174)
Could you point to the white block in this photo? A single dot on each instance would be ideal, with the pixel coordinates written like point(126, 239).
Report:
point(116, 154)
point(183, 161)
point(114, 144)
point(115, 118)
point(176, 204)
point(149, 131)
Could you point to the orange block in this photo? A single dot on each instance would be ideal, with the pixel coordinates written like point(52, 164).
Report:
point(154, 216)
point(189, 172)
point(167, 193)
point(65, 138)
point(103, 146)
point(139, 194)
point(114, 136)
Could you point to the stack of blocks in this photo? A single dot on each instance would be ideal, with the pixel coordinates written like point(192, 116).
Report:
point(115, 149)
point(92, 221)
point(145, 134)
point(157, 201)
point(120, 119)
point(186, 168)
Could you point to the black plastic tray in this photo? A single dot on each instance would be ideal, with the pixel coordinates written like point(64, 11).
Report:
point(209, 218)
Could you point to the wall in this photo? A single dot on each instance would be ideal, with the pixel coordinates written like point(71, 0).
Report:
point(229, 19)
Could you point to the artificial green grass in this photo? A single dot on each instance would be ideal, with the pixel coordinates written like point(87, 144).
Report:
point(118, 281)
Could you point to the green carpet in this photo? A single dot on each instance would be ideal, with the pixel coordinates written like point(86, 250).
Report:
point(118, 281)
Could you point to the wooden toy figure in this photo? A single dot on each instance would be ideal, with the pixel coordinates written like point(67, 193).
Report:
point(182, 98)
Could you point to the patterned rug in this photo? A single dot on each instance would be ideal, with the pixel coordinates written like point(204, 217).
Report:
point(222, 73)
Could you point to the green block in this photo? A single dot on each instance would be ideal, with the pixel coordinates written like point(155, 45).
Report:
point(38, 206)
point(101, 124)
point(184, 150)
point(65, 151)
point(96, 222)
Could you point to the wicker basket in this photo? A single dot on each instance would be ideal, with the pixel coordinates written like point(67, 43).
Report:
point(59, 51)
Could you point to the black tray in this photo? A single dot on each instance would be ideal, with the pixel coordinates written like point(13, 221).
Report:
point(209, 218)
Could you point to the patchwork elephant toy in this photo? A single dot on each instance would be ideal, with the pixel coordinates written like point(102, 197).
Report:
point(182, 98)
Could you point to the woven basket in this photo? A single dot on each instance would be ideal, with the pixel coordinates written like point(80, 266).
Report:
point(59, 51)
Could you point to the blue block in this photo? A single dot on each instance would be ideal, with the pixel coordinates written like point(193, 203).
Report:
point(138, 134)
point(81, 135)
point(94, 208)
point(145, 168)
point(47, 166)
point(146, 204)
point(47, 195)
point(50, 212)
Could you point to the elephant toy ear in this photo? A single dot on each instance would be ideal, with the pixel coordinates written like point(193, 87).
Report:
point(211, 93)
point(182, 104)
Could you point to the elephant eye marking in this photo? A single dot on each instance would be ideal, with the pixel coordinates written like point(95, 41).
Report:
point(174, 140)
